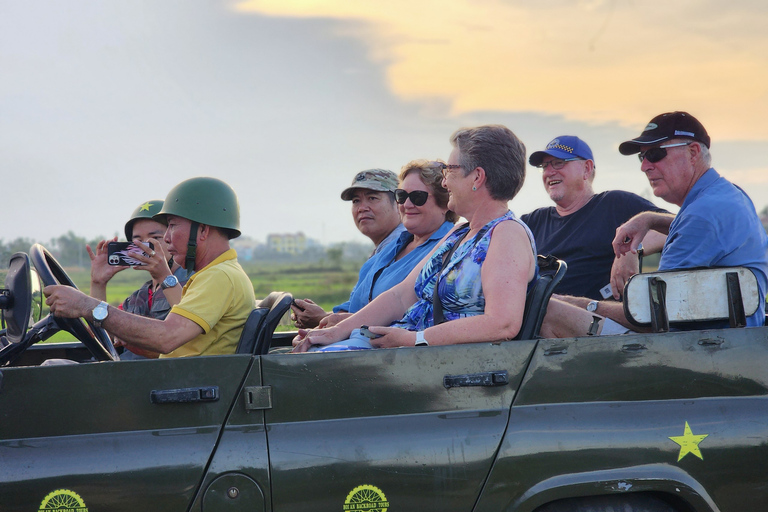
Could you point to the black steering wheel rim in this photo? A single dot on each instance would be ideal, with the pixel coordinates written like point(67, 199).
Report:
point(94, 338)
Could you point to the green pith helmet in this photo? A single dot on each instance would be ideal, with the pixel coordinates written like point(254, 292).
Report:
point(146, 210)
point(206, 201)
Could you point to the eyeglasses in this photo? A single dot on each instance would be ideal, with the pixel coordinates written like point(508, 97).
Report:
point(449, 167)
point(658, 154)
point(444, 168)
point(417, 197)
point(556, 164)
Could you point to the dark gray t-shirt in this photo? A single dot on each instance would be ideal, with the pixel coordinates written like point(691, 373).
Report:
point(583, 239)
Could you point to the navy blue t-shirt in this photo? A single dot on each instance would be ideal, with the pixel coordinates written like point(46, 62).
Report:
point(583, 239)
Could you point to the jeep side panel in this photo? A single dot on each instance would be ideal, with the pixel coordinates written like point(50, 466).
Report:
point(684, 414)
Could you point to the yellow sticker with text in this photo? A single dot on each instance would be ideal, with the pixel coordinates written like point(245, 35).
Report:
point(689, 443)
point(63, 500)
point(366, 497)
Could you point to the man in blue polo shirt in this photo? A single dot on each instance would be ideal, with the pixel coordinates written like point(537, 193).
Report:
point(717, 225)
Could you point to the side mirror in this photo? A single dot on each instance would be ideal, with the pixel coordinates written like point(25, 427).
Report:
point(16, 298)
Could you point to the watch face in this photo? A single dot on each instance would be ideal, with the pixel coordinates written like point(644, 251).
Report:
point(592, 306)
point(170, 281)
point(100, 312)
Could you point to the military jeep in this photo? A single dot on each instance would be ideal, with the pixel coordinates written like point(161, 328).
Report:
point(674, 421)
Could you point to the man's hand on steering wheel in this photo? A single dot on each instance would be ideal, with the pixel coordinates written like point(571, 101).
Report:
point(65, 302)
point(68, 302)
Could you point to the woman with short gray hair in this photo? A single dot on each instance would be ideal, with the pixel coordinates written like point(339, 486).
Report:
point(477, 278)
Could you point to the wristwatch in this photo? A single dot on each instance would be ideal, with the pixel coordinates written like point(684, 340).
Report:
point(100, 313)
point(420, 341)
point(169, 282)
point(592, 306)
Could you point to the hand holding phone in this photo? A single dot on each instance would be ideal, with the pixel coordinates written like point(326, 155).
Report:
point(120, 253)
point(367, 332)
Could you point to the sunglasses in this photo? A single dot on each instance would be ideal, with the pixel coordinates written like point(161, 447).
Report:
point(417, 197)
point(659, 153)
point(556, 164)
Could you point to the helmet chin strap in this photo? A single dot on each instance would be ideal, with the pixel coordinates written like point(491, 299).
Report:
point(191, 248)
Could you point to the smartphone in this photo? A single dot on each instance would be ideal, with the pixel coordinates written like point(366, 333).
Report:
point(119, 253)
point(293, 303)
point(367, 332)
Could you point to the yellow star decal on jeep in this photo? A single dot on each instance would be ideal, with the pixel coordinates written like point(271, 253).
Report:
point(689, 443)
point(146, 206)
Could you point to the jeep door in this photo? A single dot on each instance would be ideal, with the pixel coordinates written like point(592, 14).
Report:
point(91, 432)
point(407, 428)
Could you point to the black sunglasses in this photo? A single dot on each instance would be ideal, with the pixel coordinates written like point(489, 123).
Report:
point(418, 197)
point(658, 154)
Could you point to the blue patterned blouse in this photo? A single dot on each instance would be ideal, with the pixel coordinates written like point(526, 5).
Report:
point(460, 289)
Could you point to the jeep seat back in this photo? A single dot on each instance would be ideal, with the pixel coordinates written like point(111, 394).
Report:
point(278, 303)
point(251, 329)
point(551, 271)
point(662, 298)
point(262, 322)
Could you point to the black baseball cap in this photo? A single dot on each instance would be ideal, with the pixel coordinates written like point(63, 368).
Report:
point(672, 125)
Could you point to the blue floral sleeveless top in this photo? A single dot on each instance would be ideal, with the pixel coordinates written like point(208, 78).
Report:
point(460, 289)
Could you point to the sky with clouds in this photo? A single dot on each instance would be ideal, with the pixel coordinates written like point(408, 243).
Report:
point(104, 105)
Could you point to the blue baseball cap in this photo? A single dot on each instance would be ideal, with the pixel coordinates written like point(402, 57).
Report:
point(563, 147)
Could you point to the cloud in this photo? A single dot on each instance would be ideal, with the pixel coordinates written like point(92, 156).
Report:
point(106, 104)
point(594, 61)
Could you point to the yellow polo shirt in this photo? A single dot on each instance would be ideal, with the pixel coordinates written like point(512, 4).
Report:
point(219, 299)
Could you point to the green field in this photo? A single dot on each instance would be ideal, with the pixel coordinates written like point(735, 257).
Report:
point(325, 284)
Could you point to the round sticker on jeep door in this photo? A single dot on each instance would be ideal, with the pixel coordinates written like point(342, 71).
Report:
point(366, 497)
point(63, 499)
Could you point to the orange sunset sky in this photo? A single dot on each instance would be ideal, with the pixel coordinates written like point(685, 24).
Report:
point(105, 105)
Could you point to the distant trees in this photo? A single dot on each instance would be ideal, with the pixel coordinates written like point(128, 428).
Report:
point(69, 249)
point(9, 249)
point(334, 255)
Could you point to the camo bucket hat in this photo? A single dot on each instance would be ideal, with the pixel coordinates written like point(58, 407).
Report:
point(379, 180)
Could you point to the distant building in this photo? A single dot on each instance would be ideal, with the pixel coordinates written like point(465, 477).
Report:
point(246, 247)
point(287, 243)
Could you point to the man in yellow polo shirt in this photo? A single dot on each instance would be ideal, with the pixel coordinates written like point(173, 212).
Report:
point(203, 215)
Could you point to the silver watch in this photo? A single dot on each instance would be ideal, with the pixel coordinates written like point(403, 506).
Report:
point(420, 341)
point(100, 313)
point(169, 282)
point(592, 306)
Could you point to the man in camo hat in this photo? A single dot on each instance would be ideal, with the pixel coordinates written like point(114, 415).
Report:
point(374, 209)
point(375, 213)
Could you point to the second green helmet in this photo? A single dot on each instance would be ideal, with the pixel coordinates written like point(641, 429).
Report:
point(146, 210)
point(207, 201)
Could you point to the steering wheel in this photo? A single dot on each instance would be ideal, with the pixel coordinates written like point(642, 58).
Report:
point(94, 338)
